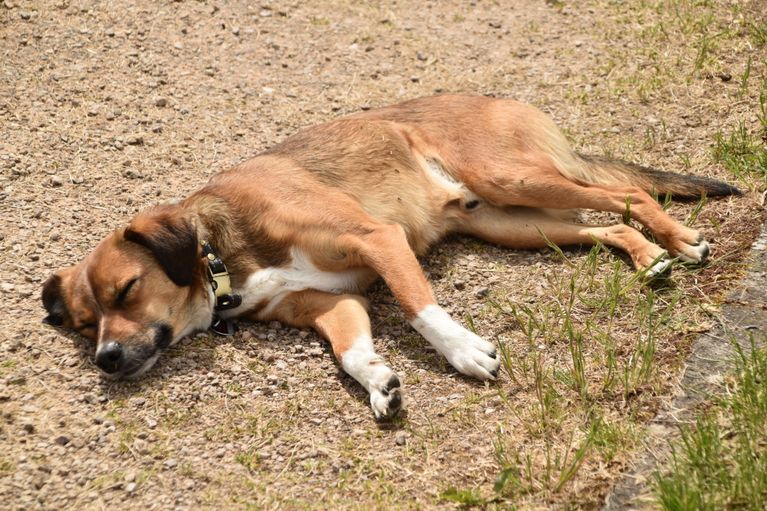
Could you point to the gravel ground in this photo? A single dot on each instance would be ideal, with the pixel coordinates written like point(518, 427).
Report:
point(109, 107)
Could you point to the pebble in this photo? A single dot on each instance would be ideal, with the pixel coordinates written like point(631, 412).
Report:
point(160, 102)
point(130, 487)
point(151, 423)
point(170, 463)
point(459, 285)
point(138, 401)
point(482, 292)
point(400, 438)
point(135, 140)
point(62, 440)
point(56, 181)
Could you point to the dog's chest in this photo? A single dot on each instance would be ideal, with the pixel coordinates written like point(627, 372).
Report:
point(264, 289)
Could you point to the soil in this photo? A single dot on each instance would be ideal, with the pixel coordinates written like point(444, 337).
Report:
point(107, 108)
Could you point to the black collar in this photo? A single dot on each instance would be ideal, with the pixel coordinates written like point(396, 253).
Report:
point(219, 280)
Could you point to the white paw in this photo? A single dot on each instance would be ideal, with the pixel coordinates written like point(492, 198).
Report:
point(466, 351)
point(362, 363)
point(386, 397)
point(661, 267)
point(697, 253)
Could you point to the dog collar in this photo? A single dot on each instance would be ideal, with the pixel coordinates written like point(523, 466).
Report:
point(219, 280)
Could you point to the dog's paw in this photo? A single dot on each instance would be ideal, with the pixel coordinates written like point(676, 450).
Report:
point(472, 356)
point(691, 249)
point(386, 397)
point(661, 268)
point(696, 254)
point(466, 351)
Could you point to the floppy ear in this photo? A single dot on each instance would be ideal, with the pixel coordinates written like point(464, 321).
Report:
point(53, 298)
point(171, 238)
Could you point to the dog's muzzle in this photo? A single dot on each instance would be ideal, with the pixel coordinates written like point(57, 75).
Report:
point(131, 358)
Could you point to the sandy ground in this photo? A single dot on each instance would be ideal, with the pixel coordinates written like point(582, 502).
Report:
point(109, 107)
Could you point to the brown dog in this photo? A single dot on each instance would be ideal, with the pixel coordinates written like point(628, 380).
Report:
point(307, 226)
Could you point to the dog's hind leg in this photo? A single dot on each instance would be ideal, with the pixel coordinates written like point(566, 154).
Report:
point(385, 249)
point(536, 183)
point(519, 227)
point(343, 320)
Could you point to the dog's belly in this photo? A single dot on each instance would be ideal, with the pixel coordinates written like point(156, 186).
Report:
point(264, 289)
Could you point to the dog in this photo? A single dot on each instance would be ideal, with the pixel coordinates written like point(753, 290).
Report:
point(297, 233)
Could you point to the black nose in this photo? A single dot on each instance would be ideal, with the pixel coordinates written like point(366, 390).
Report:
point(109, 358)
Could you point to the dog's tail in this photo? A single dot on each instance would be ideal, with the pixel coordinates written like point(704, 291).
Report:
point(607, 171)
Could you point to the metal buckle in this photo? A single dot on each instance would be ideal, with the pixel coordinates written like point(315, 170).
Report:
point(228, 301)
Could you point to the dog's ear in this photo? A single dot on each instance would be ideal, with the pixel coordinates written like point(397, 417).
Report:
point(53, 298)
point(172, 239)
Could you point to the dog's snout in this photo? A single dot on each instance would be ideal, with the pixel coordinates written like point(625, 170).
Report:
point(110, 357)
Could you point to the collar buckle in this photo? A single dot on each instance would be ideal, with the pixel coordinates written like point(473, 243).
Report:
point(219, 280)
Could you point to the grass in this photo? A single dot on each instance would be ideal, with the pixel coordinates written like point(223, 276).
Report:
point(721, 461)
point(743, 151)
point(567, 400)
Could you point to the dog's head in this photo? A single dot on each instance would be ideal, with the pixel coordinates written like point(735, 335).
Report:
point(142, 289)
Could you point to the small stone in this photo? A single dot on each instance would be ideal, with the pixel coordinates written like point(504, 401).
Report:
point(135, 140)
point(400, 438)
point(495, 24)
point(56, 181)
point(160, 102)
point(25, 15)
point(171, 463)
point(151, 423)
point(130, 477)
point(62, 440)
point(130, 487)
point(28, 427)
point(482, 292)
point(459, 285)
point(420, 56)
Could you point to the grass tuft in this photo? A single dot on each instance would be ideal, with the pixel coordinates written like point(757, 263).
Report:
point(721, 461)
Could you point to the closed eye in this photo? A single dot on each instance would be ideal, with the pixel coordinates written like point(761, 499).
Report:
point(123, 294)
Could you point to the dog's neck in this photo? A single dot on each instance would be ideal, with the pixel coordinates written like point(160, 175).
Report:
point(241, 246)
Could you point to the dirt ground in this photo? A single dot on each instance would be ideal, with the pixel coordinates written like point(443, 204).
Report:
point(109, 107)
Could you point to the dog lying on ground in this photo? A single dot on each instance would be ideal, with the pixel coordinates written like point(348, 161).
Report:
point(297, 233)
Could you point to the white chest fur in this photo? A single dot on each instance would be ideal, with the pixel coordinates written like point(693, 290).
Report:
point(273, 284)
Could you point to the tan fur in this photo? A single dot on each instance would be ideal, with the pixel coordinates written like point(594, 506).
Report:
point(371, 190)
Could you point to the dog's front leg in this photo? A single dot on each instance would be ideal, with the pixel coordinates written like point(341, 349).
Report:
point(343, 320)
point(386, 250)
